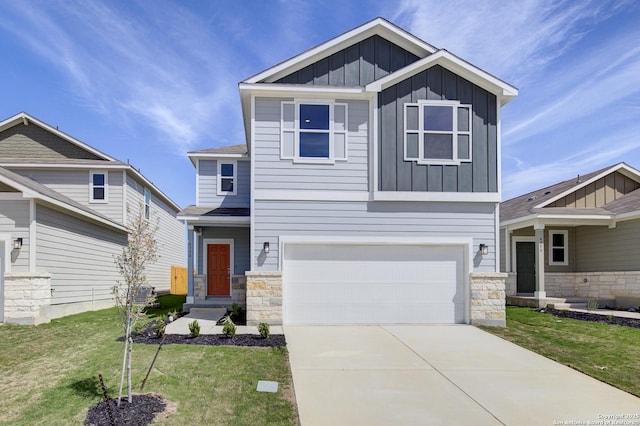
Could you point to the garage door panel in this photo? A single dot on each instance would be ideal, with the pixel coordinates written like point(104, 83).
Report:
point(362, 284)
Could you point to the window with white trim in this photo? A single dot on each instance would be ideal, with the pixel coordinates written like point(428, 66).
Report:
point(227, 178)
point(98, 187)
point(437, 132)
point(313, 131)
point(558, 247)
point(147, 204)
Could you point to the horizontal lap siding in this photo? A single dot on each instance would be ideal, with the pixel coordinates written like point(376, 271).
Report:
point(79, 256)
point(207, 185)
point(272, 173)
point(170, 235)
point(75, 184)
point(599, 248)
point(427, 220)
point(14, 221)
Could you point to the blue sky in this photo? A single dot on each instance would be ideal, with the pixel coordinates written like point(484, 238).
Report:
point(147, 81)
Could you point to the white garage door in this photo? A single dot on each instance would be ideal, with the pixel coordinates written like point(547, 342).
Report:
point(373, 284)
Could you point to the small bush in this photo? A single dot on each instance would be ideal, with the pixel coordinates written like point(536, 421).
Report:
point(159, 328)
point(228, 327)
point(194, 328)
point(263, 328)
point(236, 311)
point(592, 305)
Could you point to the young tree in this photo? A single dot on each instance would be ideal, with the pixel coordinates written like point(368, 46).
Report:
point(141, 250)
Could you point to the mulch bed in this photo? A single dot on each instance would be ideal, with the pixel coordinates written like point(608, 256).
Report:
point(142, 411)
point(605, 319)
point(150, 338)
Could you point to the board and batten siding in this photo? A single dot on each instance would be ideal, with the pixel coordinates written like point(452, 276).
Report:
point(170, 234)
point(75, 184)
point(241, 238)
point(273, 173)
point(14, 221)
point(357, 65)
point(375, 219)
point(79, 255)
point(600, 248)
point(437, 83)
point(208, 181)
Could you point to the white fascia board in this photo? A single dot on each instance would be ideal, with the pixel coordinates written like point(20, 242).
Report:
point(631, 172)
point(23, 117)
point(219, 220)
point(557, 220)
point(503, 90)
point(482, 197)
point(299, 90)
point(627, 216)
point(362, 240)
point(211, 156)
point(377, 26)
point(150, 185)
point(63, 166)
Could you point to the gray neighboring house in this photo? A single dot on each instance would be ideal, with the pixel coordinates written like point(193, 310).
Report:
point(63, 216)
point(575, 239)
point(366, 192)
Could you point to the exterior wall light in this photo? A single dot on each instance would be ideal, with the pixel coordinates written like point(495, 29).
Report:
point(17, 243)
point(265, 247)
point(484, 249)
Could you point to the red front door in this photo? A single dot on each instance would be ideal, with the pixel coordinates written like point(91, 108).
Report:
point(218, 257)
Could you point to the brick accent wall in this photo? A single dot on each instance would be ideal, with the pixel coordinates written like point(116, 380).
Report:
point(264, 297)
point(488, 299)
point(27, 298)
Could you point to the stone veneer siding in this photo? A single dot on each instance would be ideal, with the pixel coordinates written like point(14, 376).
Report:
point(238, 289)
point(27, 298)
point(264, 298)
point(488, 299)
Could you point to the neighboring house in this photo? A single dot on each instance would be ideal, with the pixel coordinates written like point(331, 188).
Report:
point(63, 218)
point(367, 190)
point(576, 239)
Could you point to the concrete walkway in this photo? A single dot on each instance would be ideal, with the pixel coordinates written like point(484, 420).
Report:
point(430, 375)
point(208, 325)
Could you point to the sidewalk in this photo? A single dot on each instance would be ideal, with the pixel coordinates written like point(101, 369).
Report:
point(607, 312)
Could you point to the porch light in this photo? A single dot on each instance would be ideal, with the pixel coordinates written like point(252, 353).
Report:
point(17, 243)
point(484, 249)
point(265, 247)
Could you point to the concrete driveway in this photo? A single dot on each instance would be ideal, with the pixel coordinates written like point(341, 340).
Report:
point(450, 375)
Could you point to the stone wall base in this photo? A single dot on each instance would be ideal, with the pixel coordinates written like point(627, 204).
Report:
point(27, 298)
point(264, 297)
point(488, 299)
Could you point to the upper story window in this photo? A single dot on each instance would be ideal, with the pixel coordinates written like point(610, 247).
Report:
point(147, 204)
point(314, 132)
point(227, 178)
point(558, 248)
point(437, 132)
point(98, 187)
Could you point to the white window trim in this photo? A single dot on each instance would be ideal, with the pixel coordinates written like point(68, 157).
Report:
point(231, 243)
point(219, 177)
point(565, 247)
point(106, 187)
point(144, 195)
point(421, 132)
point(296, 132)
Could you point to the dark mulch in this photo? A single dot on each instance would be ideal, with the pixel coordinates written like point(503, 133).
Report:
point(605, 319)
point(147, 336)
point(142, 411)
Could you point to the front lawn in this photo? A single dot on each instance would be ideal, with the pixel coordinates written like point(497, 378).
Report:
point(607, 352)
point(49, 375)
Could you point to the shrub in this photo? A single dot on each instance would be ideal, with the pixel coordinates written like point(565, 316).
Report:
point(263, 328)
point(228, 327)
point(592, 305)
point(236, 311)
point(194, 328)
point(159, 328)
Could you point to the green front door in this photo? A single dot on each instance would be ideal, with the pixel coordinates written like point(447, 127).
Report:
point(526, 267)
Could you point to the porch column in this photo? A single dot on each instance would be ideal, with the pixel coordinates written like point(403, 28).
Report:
point(539, 293)
point(189, 239)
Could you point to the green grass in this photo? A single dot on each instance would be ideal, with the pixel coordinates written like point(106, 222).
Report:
point(49, 374)
point(582, 345)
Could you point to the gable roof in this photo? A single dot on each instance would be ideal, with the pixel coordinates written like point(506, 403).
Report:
point(238, 152)
point(34, 190)
point(539, 203)
point(103, 160)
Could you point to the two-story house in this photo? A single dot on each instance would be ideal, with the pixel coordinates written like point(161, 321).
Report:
point(64, 211)
point(367, 190)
